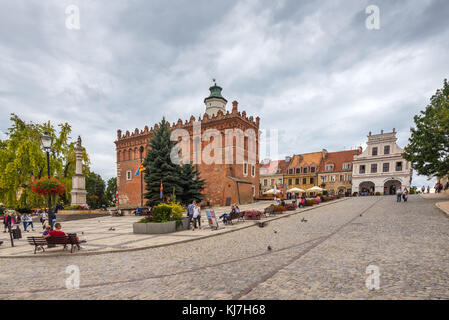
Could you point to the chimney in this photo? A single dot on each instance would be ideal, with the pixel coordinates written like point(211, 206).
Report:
point(234, 106)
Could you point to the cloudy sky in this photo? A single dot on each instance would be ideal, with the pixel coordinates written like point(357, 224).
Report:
point(310, 69)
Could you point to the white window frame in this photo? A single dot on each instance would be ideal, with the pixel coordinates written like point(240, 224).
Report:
point(129, 176)
point(346, 166)
point(332, 179)
point(331, 166)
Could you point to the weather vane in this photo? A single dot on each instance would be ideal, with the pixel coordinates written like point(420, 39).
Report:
point(215, 83)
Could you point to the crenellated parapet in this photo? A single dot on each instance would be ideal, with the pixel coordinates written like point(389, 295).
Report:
point(206, 120)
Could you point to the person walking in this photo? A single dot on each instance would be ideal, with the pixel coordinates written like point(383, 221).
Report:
point(428, 189)
point(196, 217)
point(405, 195)
point(423, 189)
point(28, 221)
point(398, 194)
point(190, 208)
point(44, 216)
point(6, 221)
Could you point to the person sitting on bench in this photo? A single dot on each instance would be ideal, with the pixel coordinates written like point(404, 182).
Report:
point(58, 233)
point(225, 216)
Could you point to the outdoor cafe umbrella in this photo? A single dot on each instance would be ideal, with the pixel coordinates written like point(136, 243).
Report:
point(296, 190)
point(272, 191)
point(315, 189)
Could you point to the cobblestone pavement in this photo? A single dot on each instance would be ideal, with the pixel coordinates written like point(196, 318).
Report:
point(323, 258)
point(109, 234)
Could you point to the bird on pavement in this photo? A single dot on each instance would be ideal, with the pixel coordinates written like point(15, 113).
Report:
point(275, 231)
point(303, 220)
point(269, 248)
point(111, 229)
point(261, 224)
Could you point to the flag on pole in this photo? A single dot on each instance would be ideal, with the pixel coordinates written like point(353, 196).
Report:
point(162, 188)
point(139, 169)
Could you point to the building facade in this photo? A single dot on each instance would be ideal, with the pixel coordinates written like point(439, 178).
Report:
point(335, 173)
point(380, 167)
point(225, 135)
point(302, 170)
point(271, 173)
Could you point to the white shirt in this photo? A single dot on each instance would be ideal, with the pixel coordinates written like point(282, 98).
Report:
point(196, 212)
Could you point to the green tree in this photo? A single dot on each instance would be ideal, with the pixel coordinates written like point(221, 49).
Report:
point(159, 167)
point(192, 184)
point(22, 160)
point(428, 148)
point(111, 190)
point(95, 187)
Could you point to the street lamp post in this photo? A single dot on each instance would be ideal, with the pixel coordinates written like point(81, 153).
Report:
point(46, 143)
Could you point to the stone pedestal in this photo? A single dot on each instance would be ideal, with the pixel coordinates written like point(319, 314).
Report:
point(79, 192)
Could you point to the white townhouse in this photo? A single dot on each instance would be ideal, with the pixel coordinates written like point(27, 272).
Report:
point(380, 167)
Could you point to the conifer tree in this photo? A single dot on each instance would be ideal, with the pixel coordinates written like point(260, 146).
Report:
point(191, 183)
point(159, 167)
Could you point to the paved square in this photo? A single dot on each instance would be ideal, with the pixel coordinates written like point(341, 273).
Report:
point(323, 258)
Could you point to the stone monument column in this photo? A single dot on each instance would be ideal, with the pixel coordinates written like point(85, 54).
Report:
point(78, 192)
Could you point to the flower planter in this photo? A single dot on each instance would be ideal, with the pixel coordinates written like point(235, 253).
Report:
point(252, 217)
point(154, 228)
point(184, 221)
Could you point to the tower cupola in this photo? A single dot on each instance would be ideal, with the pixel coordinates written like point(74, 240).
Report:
point(215, 101)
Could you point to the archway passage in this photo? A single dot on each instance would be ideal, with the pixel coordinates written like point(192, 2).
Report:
point(366, 188)
point(391, 186)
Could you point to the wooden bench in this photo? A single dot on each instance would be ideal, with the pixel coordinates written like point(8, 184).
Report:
point(233, 216)
point(69, 239)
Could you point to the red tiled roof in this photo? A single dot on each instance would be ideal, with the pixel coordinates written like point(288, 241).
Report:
point(337, 159)
point(273, 167)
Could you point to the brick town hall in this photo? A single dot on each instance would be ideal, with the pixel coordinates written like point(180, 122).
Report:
point(226, 182)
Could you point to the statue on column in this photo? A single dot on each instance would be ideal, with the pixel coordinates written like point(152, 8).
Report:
point(79, 192)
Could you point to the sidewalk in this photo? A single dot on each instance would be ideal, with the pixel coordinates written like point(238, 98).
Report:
point(443, 206)
point(115, 234)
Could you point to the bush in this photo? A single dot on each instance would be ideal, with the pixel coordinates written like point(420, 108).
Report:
point(290, 206)
point(165, 212)
point(252, 215)
point(162, 213)
point(279, 209)
point(310, 202)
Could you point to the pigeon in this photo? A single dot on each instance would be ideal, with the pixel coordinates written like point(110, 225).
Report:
point(269, 248)
point(111, 229)
point(360, 214)
point(82, 232)
point(303, 220)
point(275, 231)
point(261, 224)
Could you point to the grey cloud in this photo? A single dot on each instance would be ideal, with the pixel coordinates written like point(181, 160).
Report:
point(310, 69)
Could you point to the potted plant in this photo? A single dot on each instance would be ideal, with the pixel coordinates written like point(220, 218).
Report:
point(165, 218)
point(252, 215)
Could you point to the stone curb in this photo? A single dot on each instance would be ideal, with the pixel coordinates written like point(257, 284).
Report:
point(284, 215)
point(446, 212)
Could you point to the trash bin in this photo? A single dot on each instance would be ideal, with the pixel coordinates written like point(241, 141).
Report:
point(16, 233)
